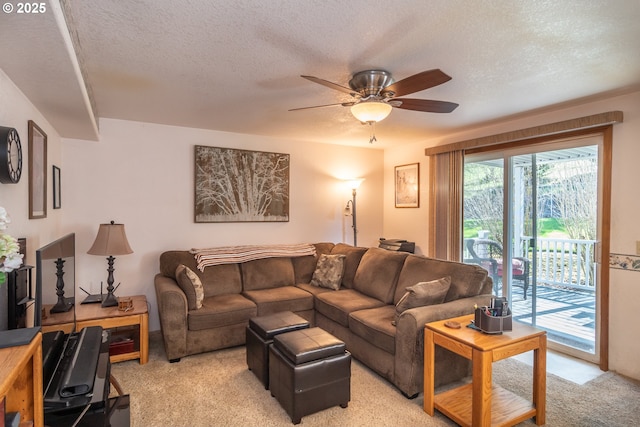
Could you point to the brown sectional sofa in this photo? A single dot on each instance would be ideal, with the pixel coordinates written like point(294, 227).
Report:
point(361, 313)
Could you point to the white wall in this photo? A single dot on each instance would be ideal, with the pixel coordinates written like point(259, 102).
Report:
point(406, 223)
point(625, 230)
point(142, 175)
point(15, 112)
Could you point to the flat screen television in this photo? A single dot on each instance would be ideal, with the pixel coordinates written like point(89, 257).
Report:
point(55, 279)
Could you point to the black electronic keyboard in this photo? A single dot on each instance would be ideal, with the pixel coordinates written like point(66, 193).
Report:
point(76, 368)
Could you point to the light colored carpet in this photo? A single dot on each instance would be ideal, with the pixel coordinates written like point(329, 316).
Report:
point(217, 389)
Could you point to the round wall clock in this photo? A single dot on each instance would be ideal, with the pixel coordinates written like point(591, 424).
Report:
point(10, 156)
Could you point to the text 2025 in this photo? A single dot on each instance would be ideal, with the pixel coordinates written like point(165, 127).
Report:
point(31, 7)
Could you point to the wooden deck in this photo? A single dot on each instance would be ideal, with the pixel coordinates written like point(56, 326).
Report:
point(568, 315)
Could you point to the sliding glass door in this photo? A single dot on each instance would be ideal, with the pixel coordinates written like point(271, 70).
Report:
point(530, 217)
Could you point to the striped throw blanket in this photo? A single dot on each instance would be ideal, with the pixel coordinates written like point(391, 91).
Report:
point(237, 254)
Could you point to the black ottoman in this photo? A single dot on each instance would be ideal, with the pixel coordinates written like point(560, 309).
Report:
point(260, 333)
point(309, 370)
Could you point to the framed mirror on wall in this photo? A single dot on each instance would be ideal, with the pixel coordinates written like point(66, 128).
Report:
point(37, 172)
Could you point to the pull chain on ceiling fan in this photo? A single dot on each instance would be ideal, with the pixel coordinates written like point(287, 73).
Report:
point(376, 95)
point(372, 138)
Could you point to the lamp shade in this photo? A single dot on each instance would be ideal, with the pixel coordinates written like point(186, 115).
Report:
point(371, 111)
point(111, 240)
point(355, 183)
point(347, 209)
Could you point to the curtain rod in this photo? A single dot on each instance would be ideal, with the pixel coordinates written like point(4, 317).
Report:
point(586, 122)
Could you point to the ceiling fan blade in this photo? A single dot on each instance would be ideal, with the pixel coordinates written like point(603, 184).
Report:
point(343, 104)
point(331, 85)
point(417, 82)
point(426, 105)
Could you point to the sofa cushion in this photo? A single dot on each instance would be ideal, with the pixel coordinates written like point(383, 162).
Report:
point(423, 294)
point(354, 255)
point(285, 298)
point(329, 271)
point(304, 266)
point(267, 273)
point(337, 305)
point(467, 280)
point(221, 310)
point(378, 273)
point(374, 326)
point(313, 290)
point(216, 279)
point(191, 285)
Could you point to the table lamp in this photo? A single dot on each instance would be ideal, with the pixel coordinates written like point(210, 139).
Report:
point(111, 240)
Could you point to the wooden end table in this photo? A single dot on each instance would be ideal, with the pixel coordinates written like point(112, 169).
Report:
point(21, 382)
point(108, 318)
point(482, 403)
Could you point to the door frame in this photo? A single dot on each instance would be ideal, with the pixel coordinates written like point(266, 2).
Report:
point(604, 245)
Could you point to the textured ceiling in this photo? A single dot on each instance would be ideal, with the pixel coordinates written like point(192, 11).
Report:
point(235, 65)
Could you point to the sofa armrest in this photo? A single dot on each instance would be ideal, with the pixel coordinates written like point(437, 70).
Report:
point(409, 356)
point(172, 310)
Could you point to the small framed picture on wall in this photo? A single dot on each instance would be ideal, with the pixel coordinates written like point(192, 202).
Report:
point(56, 188)
point(407, 185)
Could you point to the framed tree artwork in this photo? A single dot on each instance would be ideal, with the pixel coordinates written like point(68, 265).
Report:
point(240, 185)
point(407, 186)
point(37, 172)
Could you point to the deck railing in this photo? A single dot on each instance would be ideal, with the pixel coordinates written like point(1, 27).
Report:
point(564, 262)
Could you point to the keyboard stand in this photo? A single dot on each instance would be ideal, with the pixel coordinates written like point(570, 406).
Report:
point(115, 413)
point(70, 406)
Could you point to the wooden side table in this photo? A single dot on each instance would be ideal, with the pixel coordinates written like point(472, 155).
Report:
point(21, 381)
point(482, 403)
point(111, 318)
point(56, 321)
point(108, 318)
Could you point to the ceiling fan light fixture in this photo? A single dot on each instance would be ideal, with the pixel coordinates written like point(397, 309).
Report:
point(371, 111)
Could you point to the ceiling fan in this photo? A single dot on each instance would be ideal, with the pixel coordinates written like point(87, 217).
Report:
point(375, 93)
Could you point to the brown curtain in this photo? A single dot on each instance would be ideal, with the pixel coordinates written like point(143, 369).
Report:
point(445, 205)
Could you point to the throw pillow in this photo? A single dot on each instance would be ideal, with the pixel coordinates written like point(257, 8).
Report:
point(422, 294)
point(329, 271)
point(191, 285)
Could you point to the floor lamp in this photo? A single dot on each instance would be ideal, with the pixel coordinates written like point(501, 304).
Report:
point(350, 209)
point(111, 240)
